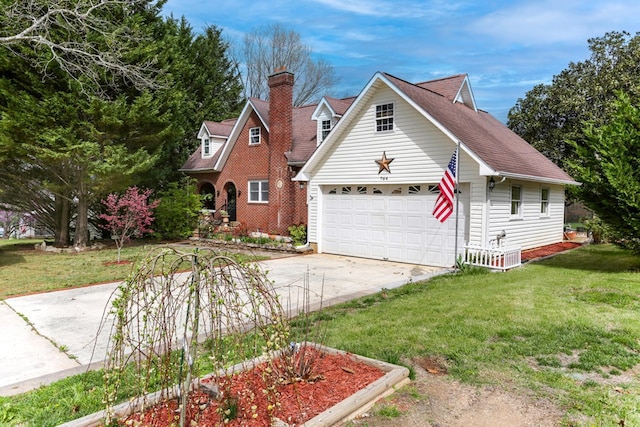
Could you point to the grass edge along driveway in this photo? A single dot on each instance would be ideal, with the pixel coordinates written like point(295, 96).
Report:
point(566, 329)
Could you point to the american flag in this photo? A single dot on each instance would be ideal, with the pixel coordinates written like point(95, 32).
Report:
point(444, 204)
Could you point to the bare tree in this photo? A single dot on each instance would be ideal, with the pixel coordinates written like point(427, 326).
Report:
point(271, 47)
point(85, 38)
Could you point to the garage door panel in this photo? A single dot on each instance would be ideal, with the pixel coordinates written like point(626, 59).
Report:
point(395, 237)
point(414, 205)
point(361, 234)
point(395, 253)
point(413, 223)
point(378, 203)
point(377, 219)
point(377, 251)
point(378, 236)
point(361, 219)
point(414, 239)
point(395, 221)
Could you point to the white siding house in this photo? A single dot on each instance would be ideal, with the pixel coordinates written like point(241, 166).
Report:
point(373, 180)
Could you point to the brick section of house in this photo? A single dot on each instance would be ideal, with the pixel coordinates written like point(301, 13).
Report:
point(246, 163)
point(281, 188)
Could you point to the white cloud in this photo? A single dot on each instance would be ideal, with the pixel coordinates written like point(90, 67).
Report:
point(391, 8)
point(553, 21)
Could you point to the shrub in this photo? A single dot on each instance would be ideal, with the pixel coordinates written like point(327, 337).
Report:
point(177, 215)
point(299, 234)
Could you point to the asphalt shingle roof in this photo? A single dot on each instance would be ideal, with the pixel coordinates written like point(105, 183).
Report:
point(490, 140)
point(499, 147)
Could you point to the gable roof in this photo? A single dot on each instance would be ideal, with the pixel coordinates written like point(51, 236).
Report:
point(219, 129)
point(195, 162)
point(304, 135)
point(498, 150)
point(445, 86)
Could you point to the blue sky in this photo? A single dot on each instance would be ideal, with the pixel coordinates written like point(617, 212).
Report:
point(505, 46)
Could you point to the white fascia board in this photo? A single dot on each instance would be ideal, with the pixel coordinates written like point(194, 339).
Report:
point(235, 132)
point(203, 131)
point(534, 178)
point(466, 83)
point(321, 106)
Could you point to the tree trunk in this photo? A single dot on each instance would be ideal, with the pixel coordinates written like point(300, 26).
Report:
point(61, 231)
point(81, 238)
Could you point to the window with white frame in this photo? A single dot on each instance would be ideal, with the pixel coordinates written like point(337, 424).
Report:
point(516, 201)
point(544, 201)
point(326, 128)
point(384, 117)
point(206, 147)
point(254, 136)
point(259, 191)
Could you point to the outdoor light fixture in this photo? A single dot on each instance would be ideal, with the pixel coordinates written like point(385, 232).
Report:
point(492, 184)
point(301, 185)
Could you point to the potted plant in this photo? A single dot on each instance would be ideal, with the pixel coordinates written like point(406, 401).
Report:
point(225, 215)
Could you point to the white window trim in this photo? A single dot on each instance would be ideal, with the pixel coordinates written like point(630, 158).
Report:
point(260, 183)
point(517, 215)
point(547, 201)
point(386, 117)
point(325, 132)
point(206, 147)
point(251, 136)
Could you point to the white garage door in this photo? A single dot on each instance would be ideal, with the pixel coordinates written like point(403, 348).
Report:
point(389, 222)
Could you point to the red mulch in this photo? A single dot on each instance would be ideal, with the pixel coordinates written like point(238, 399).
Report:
point(548, 250)
point(337, 377)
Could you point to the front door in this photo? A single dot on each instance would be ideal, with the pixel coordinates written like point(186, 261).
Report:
point(231, 201)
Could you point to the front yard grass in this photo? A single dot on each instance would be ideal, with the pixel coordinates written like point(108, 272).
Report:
point(566, 329)
point(24, 270)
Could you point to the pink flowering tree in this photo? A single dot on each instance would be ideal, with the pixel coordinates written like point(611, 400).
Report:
point(10, 222)
point(128, 215)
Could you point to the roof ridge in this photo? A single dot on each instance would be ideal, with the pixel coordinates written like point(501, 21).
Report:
point(441, 78)
point(414, 85)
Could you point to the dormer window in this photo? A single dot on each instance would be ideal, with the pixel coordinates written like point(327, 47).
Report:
point(206, 147)
point(326, 128)
point(254, 136)
point(384, 117)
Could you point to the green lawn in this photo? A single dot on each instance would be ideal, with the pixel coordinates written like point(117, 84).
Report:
point(567, 329)
point(24, 270)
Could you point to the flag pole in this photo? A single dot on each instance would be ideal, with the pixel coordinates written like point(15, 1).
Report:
point(457, 192)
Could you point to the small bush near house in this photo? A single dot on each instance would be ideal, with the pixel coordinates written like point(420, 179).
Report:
point(299, 234)
point(600, 232)
point(177, 215)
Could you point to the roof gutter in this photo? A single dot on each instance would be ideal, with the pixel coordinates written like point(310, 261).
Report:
point(197, 170)
point(536, 178)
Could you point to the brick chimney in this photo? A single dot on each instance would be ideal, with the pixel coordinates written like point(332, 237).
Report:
point(281, 108)
point(281, 188)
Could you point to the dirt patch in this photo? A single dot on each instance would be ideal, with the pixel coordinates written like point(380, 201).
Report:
point(436, 400)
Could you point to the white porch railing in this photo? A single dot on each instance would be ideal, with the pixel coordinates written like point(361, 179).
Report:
point(497, 256)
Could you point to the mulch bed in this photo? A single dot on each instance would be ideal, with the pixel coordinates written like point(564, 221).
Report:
point(544, 251)
point(336, 377)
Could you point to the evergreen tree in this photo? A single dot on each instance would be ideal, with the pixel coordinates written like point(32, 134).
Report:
point(607, 164)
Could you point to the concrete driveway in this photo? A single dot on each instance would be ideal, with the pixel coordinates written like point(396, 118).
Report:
point(48, 336)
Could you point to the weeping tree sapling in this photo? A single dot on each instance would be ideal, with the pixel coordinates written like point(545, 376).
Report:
point(128, 215)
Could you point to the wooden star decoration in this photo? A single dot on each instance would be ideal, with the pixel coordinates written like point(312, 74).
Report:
point(384, 163)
